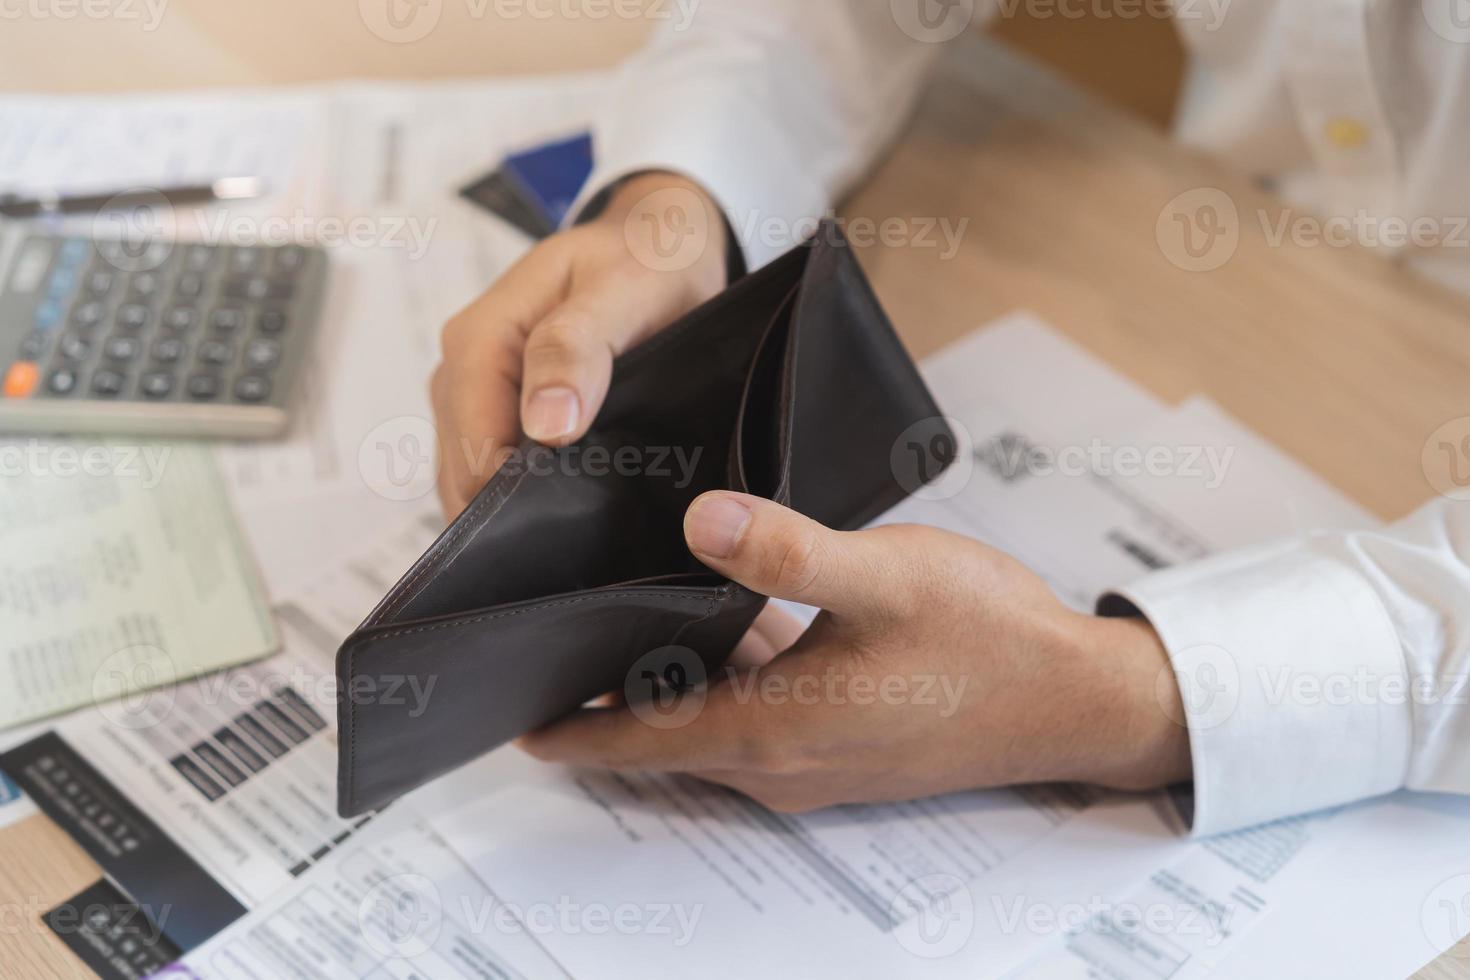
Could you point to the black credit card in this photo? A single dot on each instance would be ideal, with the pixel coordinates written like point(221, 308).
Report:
point(112, 934)
point(151, 867)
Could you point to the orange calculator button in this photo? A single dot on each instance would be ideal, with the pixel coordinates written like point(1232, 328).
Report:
point(21, 379)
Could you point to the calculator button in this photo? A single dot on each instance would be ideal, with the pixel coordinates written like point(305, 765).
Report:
point(88, 314)
point(180, 318)
point(227, 319)
point(245, 259)
point(189, 286)
point(20, 380)
point(145, 285)
point(135, 256)
point(122, 348)
point(216, 352)
point(131, 317)
point(107, 383)
point(203, 386)
point(271, 321)
point(262, 354)
point(62, 381)
point(291, 258)
point(99, 282)
point(33, 347)
point(240, 287)
point(167, 350)
point(75, 347)
point(48, 315)
point(156, 384)
point(30, 266)
point(198, 258)
point(258, 289)
point(252, 388)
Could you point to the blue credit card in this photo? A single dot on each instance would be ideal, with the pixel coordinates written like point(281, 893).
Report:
point(549, 177)
point(9, 791)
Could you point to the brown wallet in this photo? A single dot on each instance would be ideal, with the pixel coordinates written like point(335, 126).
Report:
point(562, 574)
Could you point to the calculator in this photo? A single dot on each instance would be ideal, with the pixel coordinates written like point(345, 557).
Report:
point(154, 337)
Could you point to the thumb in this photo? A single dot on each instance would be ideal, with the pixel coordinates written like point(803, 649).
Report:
point(567, 369)
point(568, 358)
point(777, 552)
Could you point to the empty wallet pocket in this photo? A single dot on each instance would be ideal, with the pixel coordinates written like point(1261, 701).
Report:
point(761, 446)
point(604, 512)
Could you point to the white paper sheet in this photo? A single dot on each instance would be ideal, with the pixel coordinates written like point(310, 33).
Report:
point(1190, 913)
point(1393, 895)
point(1260, 494)
point(395, 902)
point(69, 144)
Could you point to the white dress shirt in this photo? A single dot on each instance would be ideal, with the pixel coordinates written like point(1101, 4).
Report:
point(1315, 672)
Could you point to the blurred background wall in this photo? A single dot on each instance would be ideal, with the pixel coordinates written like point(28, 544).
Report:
point(91, 45)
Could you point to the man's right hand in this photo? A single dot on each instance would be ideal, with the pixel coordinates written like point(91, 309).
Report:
point(533, 355)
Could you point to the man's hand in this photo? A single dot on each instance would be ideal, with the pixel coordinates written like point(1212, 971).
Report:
point(938, 664)
point(534, 354)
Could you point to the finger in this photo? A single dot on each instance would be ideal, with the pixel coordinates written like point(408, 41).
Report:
point(475, 419)
point(476, 390)
point(612, 699)
point(617, 738)
point(777, 552)
point(569, 353)
point(449, 485)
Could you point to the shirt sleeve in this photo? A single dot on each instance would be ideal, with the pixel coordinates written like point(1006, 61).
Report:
point(1321, 670)
point(774, 107)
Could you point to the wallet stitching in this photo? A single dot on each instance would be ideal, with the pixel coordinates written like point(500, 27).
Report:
point(474, 523)
point(505, 613)
point(709, 610)
point(349, 773)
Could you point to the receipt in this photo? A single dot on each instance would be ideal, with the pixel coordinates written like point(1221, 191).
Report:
point(121, 569)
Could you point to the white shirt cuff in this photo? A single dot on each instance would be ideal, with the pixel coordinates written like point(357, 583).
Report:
point(771, 202)
point(1293, 681)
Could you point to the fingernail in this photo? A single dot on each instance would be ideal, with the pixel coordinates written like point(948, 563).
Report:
point(552, 414)
point(714, 524)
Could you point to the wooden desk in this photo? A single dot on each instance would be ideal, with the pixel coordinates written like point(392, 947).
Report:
point(1343, 359)
point(1337, 356)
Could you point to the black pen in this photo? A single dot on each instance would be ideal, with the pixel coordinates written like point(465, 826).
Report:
point(38, 205)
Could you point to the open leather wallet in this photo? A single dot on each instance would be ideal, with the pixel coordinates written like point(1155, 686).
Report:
point(562, 575)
